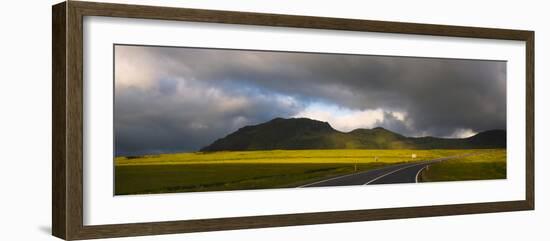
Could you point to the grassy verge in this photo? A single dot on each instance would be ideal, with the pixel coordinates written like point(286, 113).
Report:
point(486, 166)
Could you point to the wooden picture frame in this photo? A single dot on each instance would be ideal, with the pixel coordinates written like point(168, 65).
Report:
point(67, 124)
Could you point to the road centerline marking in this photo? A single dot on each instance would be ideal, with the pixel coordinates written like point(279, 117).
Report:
point(334, 178)
point(347, 175)
point(427, 163)
point(394, 171)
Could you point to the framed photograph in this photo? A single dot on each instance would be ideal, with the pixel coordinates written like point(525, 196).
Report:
point(171, 120)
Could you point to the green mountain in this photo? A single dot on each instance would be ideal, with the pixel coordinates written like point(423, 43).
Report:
point(303, 133)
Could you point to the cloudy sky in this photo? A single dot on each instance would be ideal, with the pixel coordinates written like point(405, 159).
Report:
point(181, 99)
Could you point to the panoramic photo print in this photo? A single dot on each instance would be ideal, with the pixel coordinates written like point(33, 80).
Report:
point(204, 119)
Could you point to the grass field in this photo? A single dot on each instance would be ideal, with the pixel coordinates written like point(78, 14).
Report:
point(486, 166)
point(220, 171)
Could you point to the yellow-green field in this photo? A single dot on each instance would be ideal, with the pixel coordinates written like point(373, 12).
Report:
point(486, 166)
point(238, 170)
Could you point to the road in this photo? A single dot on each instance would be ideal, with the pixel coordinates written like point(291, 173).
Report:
point(400, 173)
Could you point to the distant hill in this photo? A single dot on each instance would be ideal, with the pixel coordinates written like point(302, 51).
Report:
point(303, 133)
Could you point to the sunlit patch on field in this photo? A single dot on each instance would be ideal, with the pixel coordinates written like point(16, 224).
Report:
point(485, 166)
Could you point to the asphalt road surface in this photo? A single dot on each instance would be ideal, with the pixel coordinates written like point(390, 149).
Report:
point(401, 173)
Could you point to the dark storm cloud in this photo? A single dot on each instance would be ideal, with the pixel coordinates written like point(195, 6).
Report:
point(187, 116)
point(174, 99)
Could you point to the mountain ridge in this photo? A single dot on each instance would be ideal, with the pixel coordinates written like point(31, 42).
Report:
point(305, 133)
